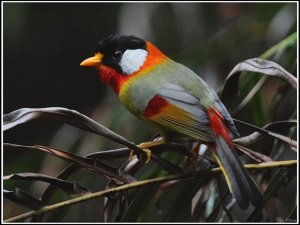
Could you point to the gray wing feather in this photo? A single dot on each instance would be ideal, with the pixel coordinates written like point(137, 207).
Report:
point(188, 78)
point(179, 97)
point(176, 92)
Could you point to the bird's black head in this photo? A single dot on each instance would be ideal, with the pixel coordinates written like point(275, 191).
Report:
point(113, 49)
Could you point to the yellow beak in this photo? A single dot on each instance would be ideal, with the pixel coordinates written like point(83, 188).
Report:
point(93, 61)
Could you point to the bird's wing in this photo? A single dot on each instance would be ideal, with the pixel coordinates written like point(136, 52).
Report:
point(204, 93)
point(178, 111)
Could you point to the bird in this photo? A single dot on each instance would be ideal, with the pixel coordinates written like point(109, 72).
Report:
point(176, 101)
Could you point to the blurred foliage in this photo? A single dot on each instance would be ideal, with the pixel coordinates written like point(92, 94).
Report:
point(43, 44)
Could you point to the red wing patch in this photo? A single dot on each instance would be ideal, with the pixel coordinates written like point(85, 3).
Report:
point(172, 117)
point(155, 105)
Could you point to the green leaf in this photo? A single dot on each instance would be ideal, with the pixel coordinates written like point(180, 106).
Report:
point(290, 41)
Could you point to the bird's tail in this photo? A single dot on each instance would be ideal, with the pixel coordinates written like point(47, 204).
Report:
point(240, 183)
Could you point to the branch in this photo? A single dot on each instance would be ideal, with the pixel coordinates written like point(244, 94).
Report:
point(159, 180)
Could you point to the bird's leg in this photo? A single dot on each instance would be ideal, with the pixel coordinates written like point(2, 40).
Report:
point(145, 147)
point(195, 149)
point(149, 144)
point(192, 159)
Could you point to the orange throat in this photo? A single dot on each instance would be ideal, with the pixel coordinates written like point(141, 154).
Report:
point(116, 80)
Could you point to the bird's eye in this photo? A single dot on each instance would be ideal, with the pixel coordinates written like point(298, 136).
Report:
point(117, 54)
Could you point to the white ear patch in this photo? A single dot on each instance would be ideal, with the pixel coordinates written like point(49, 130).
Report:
point(132, 60)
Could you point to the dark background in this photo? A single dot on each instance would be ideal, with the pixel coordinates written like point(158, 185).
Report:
point(44, 43)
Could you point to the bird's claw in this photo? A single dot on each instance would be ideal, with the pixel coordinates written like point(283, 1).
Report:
point(148, 154)
point(141, 155)
point(145, 147)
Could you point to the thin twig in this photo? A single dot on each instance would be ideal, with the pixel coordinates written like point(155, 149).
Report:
point(143, 183)
point(250, 95)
